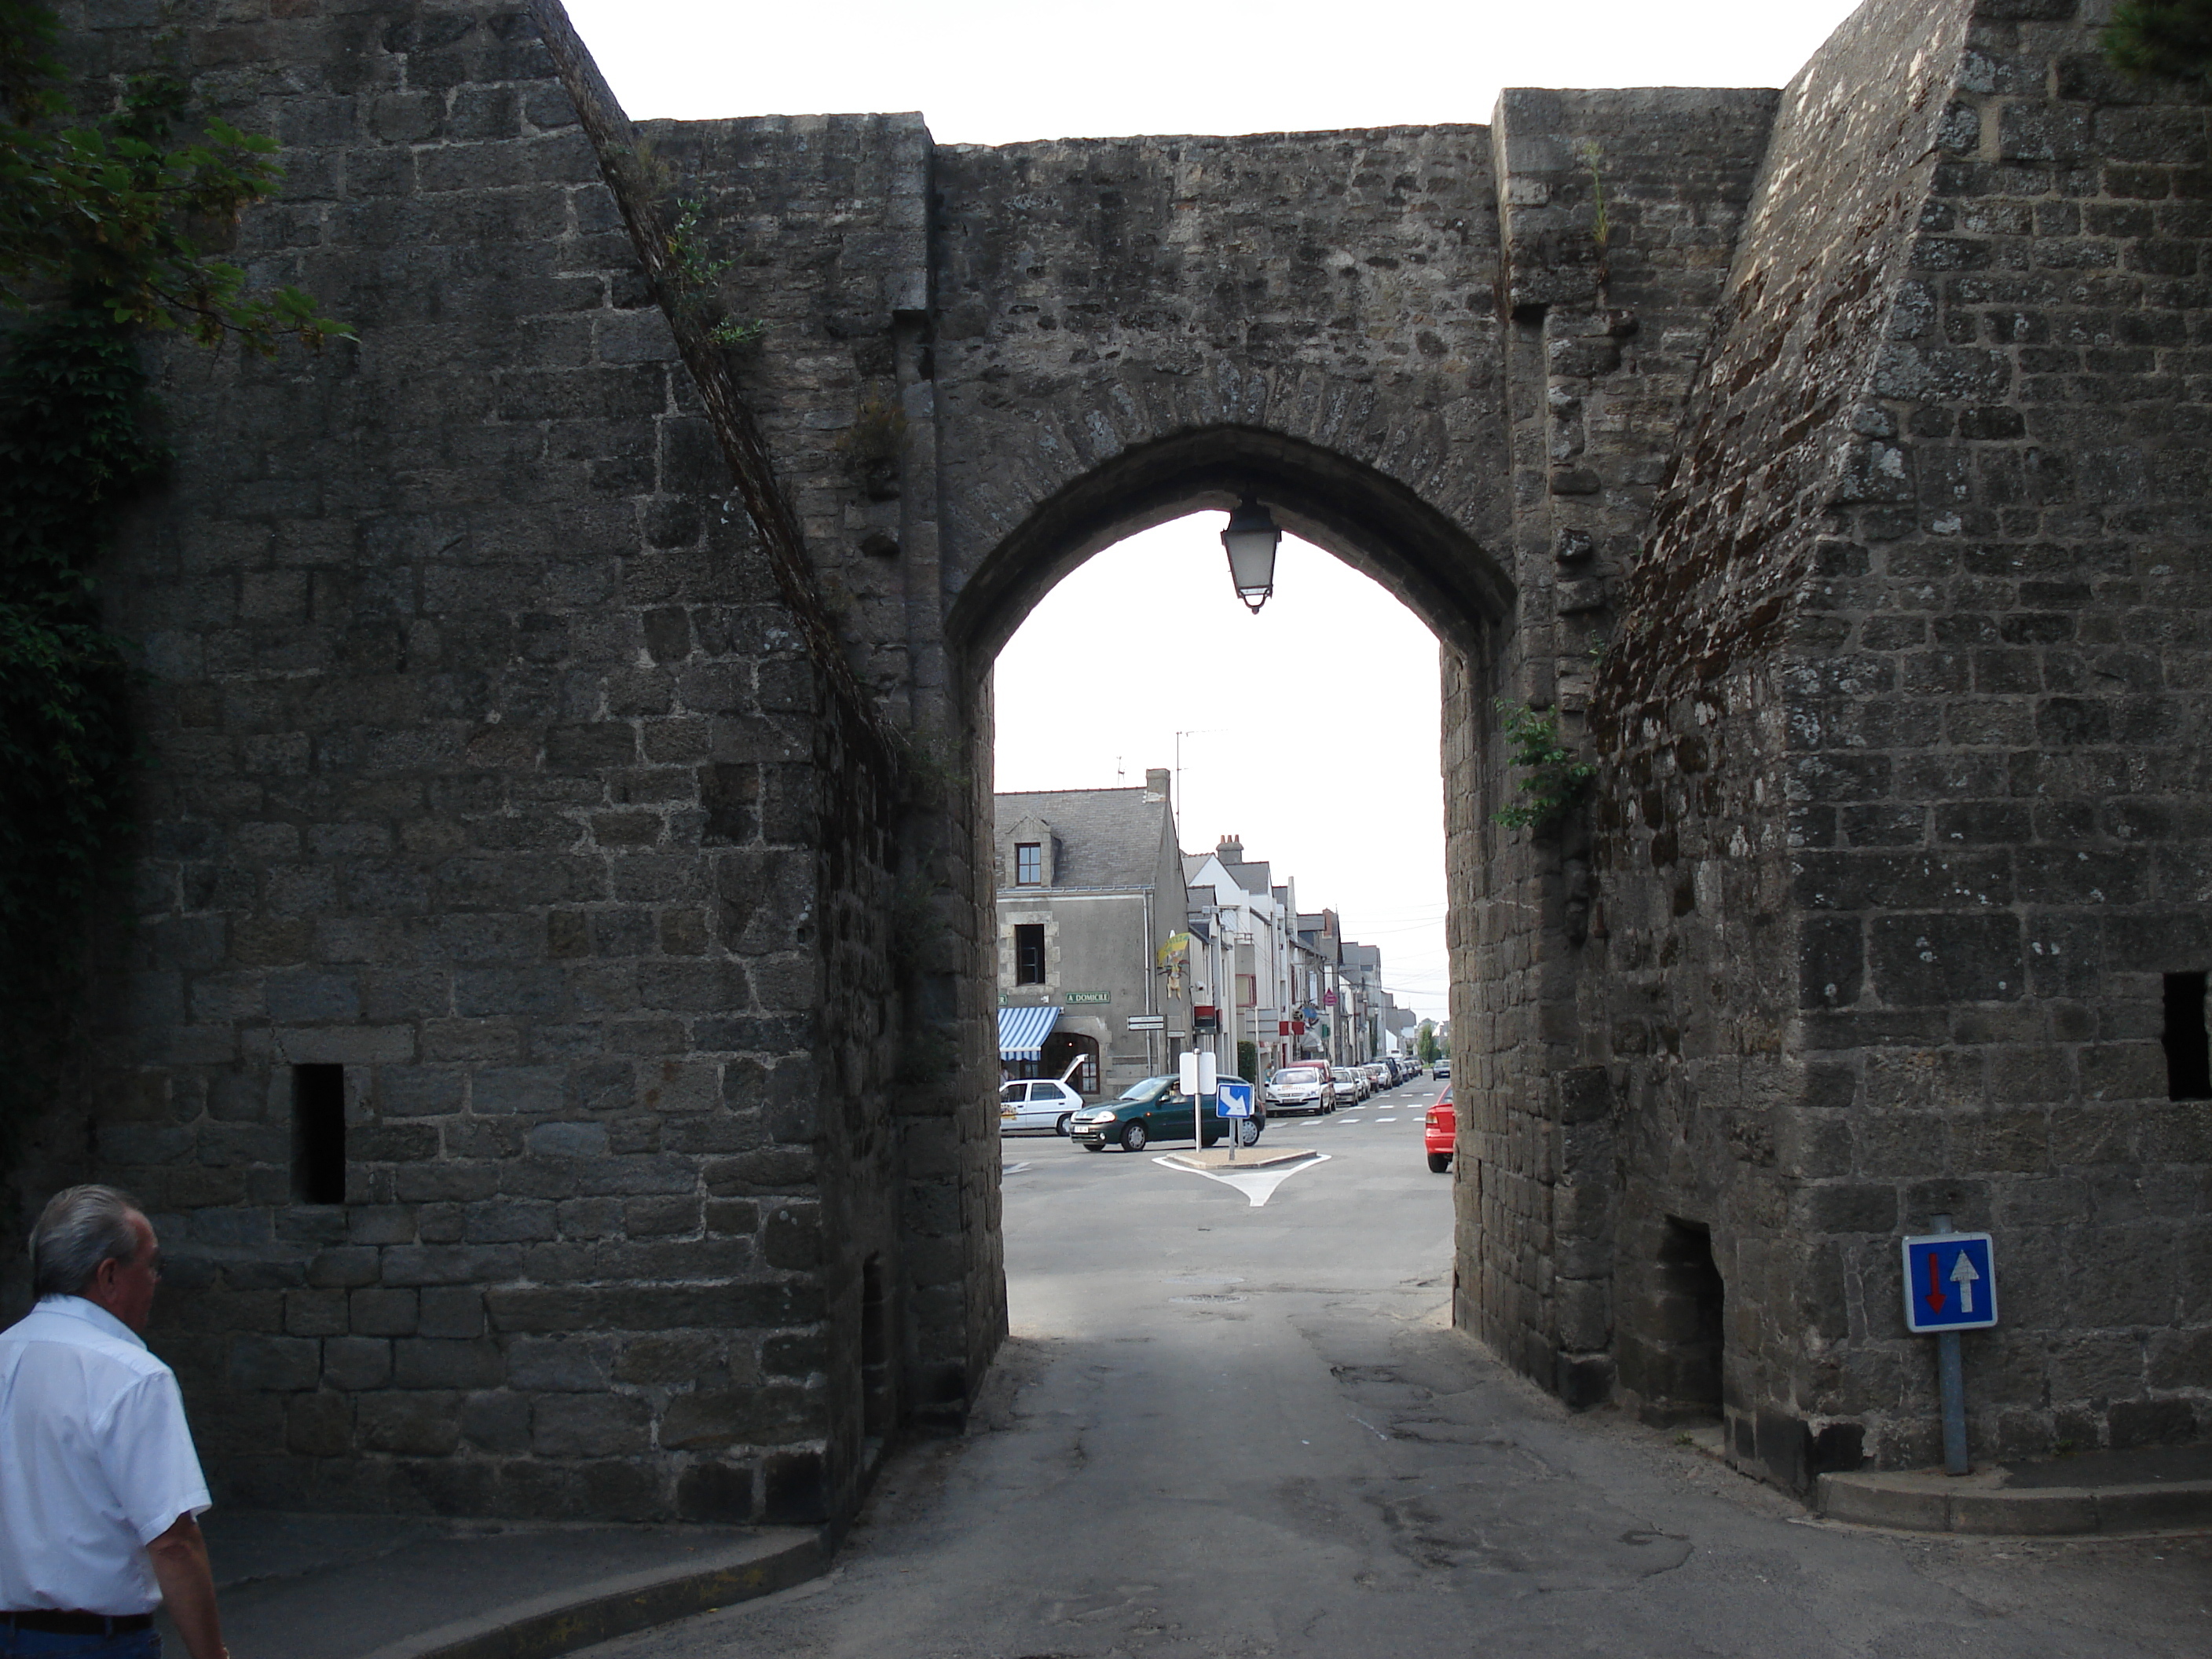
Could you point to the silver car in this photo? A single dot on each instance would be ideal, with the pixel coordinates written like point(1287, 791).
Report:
point(1036, 1104)
point(1352, 1084)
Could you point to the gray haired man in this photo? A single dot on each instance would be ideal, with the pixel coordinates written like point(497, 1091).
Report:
point(100, 1485)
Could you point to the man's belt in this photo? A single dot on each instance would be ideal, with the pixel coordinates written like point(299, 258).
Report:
point(79, 1624)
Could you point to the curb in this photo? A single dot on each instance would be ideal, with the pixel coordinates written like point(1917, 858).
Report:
point(1248, 1158)
point(1915, 1503)
point(602, 1609)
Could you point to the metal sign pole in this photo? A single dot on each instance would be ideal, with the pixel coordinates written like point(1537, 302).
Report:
point(1951, 1379)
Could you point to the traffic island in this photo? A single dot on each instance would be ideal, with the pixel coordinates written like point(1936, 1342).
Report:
point(2153, 1489)
point(1214, 1158)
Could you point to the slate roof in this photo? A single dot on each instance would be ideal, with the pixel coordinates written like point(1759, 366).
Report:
point(1107, 838)
point(1256, 879)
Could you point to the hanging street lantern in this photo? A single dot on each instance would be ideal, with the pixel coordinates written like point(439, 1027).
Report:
point(1250, 539)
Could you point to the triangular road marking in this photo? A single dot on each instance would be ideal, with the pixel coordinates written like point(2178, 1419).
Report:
point(1257, 1185)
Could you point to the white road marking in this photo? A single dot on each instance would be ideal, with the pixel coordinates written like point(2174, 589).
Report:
point(1014, 1169)
point(1257, 1185)
point(1386, 1120)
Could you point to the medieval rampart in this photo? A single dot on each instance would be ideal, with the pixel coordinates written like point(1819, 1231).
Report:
point(601, 842)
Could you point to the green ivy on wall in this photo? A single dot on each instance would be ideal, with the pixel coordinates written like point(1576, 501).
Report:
point(111, 223)
point(72, 453)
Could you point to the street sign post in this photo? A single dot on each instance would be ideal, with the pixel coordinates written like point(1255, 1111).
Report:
point(1950, 1285)
point(1197, 1076)
point(1232, 1099)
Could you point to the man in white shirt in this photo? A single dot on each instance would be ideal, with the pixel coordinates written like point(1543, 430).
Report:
point(100, 1486)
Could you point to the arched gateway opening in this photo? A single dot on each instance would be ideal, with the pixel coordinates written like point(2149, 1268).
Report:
point(1373, 523)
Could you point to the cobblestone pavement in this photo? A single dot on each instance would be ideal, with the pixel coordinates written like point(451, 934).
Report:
point(1224, 1429)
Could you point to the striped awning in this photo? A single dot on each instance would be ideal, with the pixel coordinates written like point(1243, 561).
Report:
point(1022, 1032)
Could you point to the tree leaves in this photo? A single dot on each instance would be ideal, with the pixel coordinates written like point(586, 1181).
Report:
point(125, 213)
point(2161, 37)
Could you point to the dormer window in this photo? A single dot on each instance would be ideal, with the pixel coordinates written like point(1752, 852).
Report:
point(1029, 864)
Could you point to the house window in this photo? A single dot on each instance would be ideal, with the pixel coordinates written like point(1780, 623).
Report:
point(1029, 953)
point(1029, 864)
point(1248, 991)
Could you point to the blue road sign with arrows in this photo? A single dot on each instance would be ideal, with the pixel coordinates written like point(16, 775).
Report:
point(1233, 1098)
point(1950, 1282)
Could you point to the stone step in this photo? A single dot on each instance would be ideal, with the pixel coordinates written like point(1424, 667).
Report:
point(2024, 1501)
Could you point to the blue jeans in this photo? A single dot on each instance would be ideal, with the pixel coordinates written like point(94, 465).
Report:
point(45, 1644)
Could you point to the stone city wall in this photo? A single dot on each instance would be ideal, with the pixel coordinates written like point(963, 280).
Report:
point(487, 773)
point(1822, 461)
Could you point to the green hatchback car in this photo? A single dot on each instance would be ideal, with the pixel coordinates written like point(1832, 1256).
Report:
point(1156, 1110)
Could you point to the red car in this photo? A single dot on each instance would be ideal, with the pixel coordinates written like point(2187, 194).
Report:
point(1438, 1131)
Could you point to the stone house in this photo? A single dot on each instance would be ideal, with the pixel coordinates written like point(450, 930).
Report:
point(1089, 883)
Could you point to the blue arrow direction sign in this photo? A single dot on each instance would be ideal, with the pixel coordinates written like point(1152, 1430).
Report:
point(1950, 1282)
point(1233, 1098)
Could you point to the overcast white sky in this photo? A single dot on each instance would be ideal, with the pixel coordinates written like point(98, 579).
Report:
point(1316, 721)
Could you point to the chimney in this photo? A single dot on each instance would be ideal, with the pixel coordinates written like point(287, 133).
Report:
point(1155, 783)
point(1230, 850)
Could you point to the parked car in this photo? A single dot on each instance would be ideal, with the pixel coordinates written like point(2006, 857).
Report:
point(1036, 1104)
point(1352, 1084)
point(1301, 1089)
point(1440, 1132)
point(1379, 1075)
point(1157, 1110)
point(1444, 1067)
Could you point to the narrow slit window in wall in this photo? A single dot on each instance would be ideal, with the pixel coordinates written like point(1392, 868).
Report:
point(318, 1134)
point(2188, 1044)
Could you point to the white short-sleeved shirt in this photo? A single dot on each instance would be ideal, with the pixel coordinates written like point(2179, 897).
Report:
point(96, 1461)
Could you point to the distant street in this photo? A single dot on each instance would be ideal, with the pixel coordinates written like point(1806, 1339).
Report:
point(1224, 1430)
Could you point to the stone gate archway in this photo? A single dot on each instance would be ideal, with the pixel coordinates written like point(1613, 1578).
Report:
point(616, 838)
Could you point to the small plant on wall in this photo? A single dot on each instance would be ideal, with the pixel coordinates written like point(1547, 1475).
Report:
point(1552, 782)
point(870, 446)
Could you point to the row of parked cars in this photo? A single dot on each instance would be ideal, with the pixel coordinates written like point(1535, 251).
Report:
point(1311, 1086)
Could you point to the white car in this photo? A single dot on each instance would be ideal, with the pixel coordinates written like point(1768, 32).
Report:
point(1036, 1104)
point(1301, 1089)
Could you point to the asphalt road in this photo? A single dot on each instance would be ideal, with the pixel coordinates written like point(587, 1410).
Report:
point(1247, 1431)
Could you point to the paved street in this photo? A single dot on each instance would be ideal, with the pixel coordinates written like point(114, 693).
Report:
point(1225, 1429)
